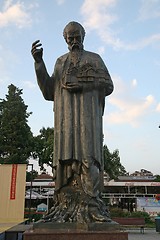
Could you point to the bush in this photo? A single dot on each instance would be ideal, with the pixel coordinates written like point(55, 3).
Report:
point(145, 215)
point(117, 212)
point(33, 215)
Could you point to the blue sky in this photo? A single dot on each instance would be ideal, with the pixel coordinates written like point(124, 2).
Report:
point(127, 36)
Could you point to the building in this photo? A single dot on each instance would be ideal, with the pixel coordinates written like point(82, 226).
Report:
point(137, 191)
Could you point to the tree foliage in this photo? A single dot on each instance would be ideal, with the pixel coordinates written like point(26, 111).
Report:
point(15, 134)
point(157, 178)
point(112, 164)
point(43, 150)
point(43, 147)
point(31, 175)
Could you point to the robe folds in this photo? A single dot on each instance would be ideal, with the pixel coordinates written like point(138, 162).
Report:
point(78, 133)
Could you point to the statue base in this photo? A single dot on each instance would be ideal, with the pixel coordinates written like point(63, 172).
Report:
point(76, 231)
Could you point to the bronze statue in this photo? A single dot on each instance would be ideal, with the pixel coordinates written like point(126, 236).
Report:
point(78, 88)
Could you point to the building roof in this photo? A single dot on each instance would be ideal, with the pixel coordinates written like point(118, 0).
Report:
point(43, 177)
point(136, 178)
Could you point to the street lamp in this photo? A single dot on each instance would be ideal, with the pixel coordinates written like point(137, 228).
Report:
point(30, 196)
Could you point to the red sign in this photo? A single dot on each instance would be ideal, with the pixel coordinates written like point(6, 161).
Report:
point(13, 182)
point(157, 197)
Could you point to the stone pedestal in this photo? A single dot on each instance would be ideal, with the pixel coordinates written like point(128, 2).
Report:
point(77, 235)
point(73, 231)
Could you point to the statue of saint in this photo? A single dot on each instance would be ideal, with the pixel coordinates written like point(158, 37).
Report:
point(78, 88)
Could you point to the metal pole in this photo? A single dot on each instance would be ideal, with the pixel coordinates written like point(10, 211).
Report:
point(30, 197)
point(47, 201)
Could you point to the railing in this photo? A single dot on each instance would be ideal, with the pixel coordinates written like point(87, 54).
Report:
point(126, 195)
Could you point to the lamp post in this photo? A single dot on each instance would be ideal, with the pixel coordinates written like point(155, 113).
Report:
point(30, 197)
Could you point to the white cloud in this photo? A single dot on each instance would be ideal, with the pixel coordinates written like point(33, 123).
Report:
point(148, 41)
point(119, 85)
point(98, 16)
point(140, 44)
point(158, 108)
point(101, 50)
point(7, 4)
point(149, 9)
point(29, 84)
point(134, 83)
point(60, 2)
point(129, 112)
point(14, 14)
point(127, 108)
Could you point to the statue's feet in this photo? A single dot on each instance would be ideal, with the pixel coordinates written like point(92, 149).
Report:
point(97, 216)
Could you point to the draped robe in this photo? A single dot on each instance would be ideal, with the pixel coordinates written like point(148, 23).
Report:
point(78, 133)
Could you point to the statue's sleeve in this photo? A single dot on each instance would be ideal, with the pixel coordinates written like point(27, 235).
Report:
point(106, 79)
point(45, 82)
point(105, 82)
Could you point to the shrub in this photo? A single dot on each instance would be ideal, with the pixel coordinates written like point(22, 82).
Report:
point(117, 212)
point(33, 215)
point(145, 215)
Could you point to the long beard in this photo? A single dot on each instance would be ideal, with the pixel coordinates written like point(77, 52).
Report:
point(75, 47)
point(75, 56)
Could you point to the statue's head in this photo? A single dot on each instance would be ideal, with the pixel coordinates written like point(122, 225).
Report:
point(74, 34)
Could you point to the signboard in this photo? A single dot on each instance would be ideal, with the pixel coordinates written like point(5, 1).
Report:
point(12, 192)
point(13, 182)
point(132, 184)
point(148, 204)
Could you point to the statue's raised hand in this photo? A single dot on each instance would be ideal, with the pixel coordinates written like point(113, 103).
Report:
point(37, 52)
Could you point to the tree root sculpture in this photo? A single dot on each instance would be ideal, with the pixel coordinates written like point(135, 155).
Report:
point(72, 204)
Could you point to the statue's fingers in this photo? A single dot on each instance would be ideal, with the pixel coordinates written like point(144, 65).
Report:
point(34, 50)
point(38, 45)
point(34, 47)
point(34, 43)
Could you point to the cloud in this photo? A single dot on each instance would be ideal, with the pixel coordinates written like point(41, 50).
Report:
point(149, 9)
point(15, 14)
point(134, 83)
point(99, 16)
point(127, 108)
point(158, 107)
point(7, 4)
point(29, 84)
point(101, 50)
point(145, 42)
point(60, 2)
point(129, 112)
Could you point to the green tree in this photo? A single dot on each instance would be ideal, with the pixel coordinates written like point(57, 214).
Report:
point(31, 175)
point(157, 179)
point(112, 164)
point(15, 134)
point(43, 147)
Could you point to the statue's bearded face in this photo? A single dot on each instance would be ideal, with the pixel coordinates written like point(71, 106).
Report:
point(74, 39)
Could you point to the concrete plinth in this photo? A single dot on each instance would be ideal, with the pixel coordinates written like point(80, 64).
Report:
point(54, 226)
point(74, 235)
point(75, 231)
